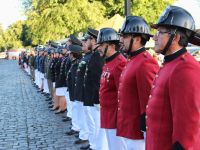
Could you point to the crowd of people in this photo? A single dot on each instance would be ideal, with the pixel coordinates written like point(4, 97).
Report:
point(114, 91)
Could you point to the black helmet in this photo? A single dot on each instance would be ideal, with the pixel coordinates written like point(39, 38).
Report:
point(46, 49)
point(107, 35)
point(86, 36)
point(179, 18)
point(176, 17)
point(49, 51)
point(74, 40)
point(75, 49)
point(40, 48)
point(53, 50)
point(58, 50)
point(93, 32)
point(135, 25)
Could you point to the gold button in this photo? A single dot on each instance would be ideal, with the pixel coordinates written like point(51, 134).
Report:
point(150, 96)
point(146, 128)
point(156, 75)
point(153, 86)
point(118, 108)
point(146, 117)
point(147, 106)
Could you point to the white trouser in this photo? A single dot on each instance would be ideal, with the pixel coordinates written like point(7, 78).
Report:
point(41, 79)
point(29, 70)
point(84, 133)
point(46, 88)
point(38, 78)
point(115, 142)
point(35, 76)
point(100, 134)
point(135, 144)
point(25, 67)
point(75, 113)
point(69, 107)
point(89, 116)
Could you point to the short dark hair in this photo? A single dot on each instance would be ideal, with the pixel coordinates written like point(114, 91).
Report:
point(144, 38)
point(183, 38)
point(116, 43)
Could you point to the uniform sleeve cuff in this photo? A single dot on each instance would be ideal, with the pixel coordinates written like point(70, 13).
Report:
point(177, 146)
point(143, 122)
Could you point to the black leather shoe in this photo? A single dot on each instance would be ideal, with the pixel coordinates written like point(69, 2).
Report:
point(50, 106)
point(61, 112)
point(40, 91)
point(85, 147)
point(80, 141)
point(47, 99)
point(77, 135)
point(46, 94)
point(71, 132)
point(50, 103)
point(52, 109)
point(66, 119)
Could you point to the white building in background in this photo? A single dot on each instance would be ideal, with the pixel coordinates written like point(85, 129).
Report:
point(193, 7)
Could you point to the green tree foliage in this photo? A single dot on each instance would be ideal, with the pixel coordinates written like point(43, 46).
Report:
point(57, 19)
point(12, 35)
point(11, 38)
point(148, 9)
point(1, 38)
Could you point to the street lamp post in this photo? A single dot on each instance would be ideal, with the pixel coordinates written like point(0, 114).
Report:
point(127, 7)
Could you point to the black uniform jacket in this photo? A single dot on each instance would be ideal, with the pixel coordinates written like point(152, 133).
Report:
point(52, 68)
point(92, 79)
point(57, 72)
point(79, 83)
point(61, 80)
point(71, 76)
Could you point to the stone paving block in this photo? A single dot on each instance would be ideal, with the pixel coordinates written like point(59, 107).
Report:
point(25, 121)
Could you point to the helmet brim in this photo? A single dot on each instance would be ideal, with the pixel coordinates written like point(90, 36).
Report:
point(195, 39)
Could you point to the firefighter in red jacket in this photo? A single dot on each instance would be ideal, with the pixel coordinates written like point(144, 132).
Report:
point(135, 83)
point(108, 41)
point(173, 110)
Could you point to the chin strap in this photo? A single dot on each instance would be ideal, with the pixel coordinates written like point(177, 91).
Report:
point(130, 46)
point(104, 54)
point(96, 48)
point(172, 34)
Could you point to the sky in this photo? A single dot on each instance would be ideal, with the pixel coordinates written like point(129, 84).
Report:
point(11, 11)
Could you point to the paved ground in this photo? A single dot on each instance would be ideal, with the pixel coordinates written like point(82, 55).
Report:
point(25, 120)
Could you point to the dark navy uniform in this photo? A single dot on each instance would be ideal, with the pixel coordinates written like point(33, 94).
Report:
point(71, 78)
point(52, 69)
point(92, 79)
point(57, 72)
point(79, 84)
point(61, 80)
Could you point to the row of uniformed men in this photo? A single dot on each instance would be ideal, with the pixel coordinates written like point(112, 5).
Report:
point(141, 105)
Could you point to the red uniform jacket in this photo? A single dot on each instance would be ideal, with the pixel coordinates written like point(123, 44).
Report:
point(108, 90)
point(173, 110)
point(134, 89)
